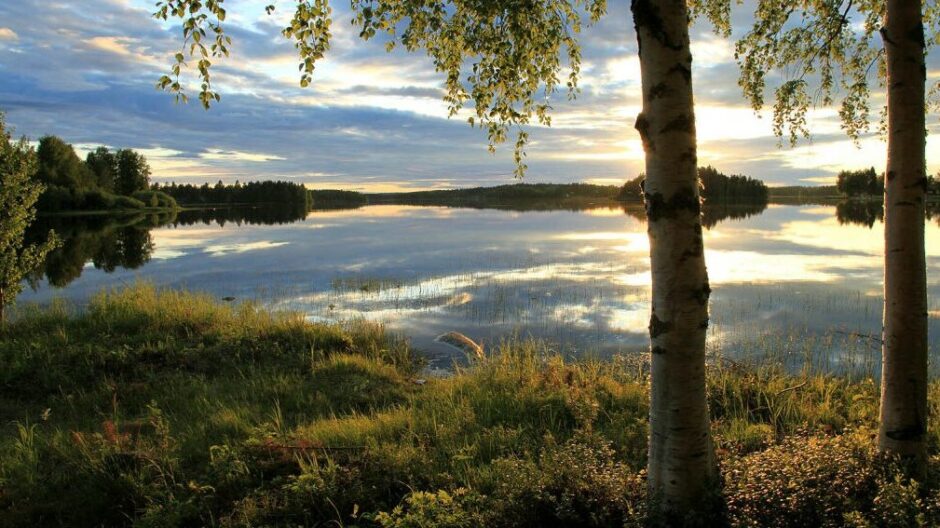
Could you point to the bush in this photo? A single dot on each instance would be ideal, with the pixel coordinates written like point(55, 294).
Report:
point(97, 199)
point(578, 483)
point(126, 202)
point(155, 199)
point(56, 198)
point(821, 481)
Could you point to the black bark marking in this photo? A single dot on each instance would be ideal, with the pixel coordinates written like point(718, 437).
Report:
point(885, 37)
point(912, 433)
point(646, 16)
point(658, 207)
point(659, 327)
point(682, 70)
point(658, 91)
point(684, 123)
point(658, 350)
point(642, 126)
point(891, 175)
point(701, 295)
point(916, 34)
point(687, 254)
point(904, 203)
point(704, 324)
point(921, 182)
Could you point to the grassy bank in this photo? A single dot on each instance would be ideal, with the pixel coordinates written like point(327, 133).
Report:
point(160, 408)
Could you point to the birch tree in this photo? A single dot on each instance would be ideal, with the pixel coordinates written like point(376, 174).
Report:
point(843, 47)
point(681, 465)
point(502, 61)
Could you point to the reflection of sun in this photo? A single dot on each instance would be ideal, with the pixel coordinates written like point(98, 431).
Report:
point(749, 266)
point(634, 320)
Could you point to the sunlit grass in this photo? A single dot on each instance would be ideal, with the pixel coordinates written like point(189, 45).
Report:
point(163, 408)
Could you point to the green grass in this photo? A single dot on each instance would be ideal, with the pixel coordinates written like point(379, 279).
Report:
point(162, 408)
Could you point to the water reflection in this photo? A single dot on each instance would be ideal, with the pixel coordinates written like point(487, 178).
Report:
point(107, 243)
point(868, 212)
point(790, 282)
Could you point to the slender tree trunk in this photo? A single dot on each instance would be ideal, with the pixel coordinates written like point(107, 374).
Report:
point(681, 460)
point(904, 356)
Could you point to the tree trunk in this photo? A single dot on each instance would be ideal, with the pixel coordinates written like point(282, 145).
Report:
point(904, 356)
point(681, 460)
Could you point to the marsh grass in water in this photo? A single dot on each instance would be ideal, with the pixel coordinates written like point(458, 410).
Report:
point(162, 408)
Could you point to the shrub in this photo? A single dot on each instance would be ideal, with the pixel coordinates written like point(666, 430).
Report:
point(820, 481)
point(440, 509)
point(96, 199)
point(155, 199)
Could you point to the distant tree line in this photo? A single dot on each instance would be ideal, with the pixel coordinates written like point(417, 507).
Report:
point(546, 193)
point(105, 180)
point(716, 187)
point(337, 199)
point(803, 193)
point(251, 193)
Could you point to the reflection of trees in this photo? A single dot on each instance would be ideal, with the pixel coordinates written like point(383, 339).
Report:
point(867, 212)
point(110, 242)
point(283, 214)
point(107, 242)
point(861, 212)
point(712, 212)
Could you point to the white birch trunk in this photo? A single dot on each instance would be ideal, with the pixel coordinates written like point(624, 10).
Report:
point(681, 467)
point(903, 423)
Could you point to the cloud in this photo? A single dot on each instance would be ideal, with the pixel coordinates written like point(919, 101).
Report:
point(234, 155)
point(8, 34)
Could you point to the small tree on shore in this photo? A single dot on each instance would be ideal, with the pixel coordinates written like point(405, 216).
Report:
point(19, 192)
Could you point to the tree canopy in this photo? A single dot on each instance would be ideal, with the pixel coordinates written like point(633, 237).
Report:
point(501, 60)
point(832, 45)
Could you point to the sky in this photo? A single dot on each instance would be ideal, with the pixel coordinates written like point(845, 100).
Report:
point(373, 121)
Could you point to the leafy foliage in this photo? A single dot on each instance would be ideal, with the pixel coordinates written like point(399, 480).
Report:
point(132, 174)
point(833, 45)
point(18, 195)
point(105, 180)
point(840, 481)
point(103, 164)
point(58, 165)
point(502, 59)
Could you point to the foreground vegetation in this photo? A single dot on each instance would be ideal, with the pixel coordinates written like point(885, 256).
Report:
point(161, 408)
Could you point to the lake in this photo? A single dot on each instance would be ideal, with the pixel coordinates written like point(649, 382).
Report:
point(795, 284)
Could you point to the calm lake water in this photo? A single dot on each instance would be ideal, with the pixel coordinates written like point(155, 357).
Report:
point(799, 284)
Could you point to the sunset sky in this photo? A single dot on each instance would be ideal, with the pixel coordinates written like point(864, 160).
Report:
point(374, 121)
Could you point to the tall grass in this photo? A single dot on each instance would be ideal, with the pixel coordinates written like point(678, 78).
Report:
point(160, 408)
